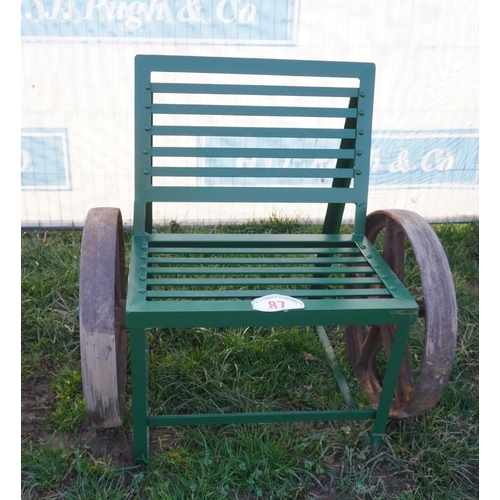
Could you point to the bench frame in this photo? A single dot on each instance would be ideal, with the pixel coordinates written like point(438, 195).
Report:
point(370, 293)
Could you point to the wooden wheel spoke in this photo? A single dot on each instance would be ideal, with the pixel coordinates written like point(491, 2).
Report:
point(394, 248)
point(437, 308)
point(370, 347)
point(378, 338)
point(405, 384)
point(421, 310)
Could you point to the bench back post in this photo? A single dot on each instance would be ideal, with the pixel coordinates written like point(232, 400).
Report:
point(335, 211)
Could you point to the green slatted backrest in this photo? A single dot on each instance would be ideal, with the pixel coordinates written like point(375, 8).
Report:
point(217, 129)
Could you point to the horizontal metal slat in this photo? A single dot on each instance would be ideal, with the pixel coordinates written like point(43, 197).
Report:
point(249, 66)
point(248, 194)
point(238, 89)
point(323, 133)
point(261, 282)
point(260, 250)
point(259, 418)
point(206, 261)
point(285, 173)
point(212, 109)
point(252, 152)
point(253, 240)
point(250, 294)
point(198, 270)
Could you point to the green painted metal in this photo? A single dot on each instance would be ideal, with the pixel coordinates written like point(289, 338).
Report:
point(261, 418)
point(295, 173)
point(389, 385)
point(190, 88)
point(215, 110)
point(179, 280)
point(335, 211)
point(160, 280)
point(251, 153)
point(139, 358)
point(202, 131)
point(341, 380)
point(339, 376)
point(353, 152)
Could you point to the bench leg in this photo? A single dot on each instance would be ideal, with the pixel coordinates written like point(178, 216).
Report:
point(389, 385)
point(139, 359)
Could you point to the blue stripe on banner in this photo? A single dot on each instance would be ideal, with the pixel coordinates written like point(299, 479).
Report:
point(426, 158)
point(241, 21)
point(399, 159)
point(45, 160)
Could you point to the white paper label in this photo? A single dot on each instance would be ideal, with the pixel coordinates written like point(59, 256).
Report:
point(276, 303)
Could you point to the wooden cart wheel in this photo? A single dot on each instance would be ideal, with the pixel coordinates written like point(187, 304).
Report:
point(438, 313)
point(102, 316)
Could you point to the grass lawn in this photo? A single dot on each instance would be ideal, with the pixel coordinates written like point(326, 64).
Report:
point(434, 456)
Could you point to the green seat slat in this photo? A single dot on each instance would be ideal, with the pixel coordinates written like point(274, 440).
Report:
point(252, 152)
point(290, 90)
point(259, 270)
point(195, 261)
point(207, 250)
point(251, 294)
point(254, 240)
point(311, 173)
point(262, 282)
point(324, 133)
point(215, 109)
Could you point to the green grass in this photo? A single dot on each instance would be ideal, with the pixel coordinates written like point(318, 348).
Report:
point(431, 456)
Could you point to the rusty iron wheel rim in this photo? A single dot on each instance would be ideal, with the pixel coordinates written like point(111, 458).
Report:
point(438, 310)
point(102, 316)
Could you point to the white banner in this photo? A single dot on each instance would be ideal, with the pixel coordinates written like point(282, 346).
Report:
point(77, 60)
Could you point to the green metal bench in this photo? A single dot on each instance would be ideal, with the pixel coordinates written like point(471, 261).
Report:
point(194, 118)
